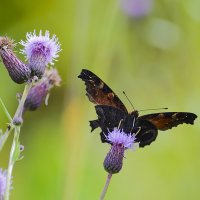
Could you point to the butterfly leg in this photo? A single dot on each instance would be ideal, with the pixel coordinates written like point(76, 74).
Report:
point(120, 123)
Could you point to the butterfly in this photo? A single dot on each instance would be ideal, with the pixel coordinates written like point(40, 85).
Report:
point(112, 113)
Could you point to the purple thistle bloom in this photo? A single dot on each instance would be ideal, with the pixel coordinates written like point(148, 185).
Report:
point(40, 51)
point(137, 8)
point(117, 136)
point(2, 183)
point(18, 71)
point(39, 92)
point(120, 142)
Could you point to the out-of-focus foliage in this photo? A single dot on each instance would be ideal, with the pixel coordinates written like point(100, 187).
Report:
point(153, 56)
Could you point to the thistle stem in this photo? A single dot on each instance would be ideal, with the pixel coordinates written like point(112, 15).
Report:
point(106, 186)
point(4, 137)
point(15, 149)
point(18, 115)
point(19, 111)
point(12, 159)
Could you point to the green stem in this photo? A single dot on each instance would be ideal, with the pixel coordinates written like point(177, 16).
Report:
point(17, 116)
point(106, 186)
point(12, 159)
point(15, 149)
point(19, 111)
point(4, 137)
point(5, 110)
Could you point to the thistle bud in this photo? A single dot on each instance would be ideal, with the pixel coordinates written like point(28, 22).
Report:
point(114, 159)
point(38, 92)
point(17, 121)
point(18, 71)
point(40, 51)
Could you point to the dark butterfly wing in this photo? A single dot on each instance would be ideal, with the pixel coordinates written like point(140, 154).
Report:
point(150, 124)
point(168, 120)
point(147, 132)
point(109, 118)
point(98, 92)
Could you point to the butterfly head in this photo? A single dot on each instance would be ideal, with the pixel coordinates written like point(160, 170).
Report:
point(135, 113)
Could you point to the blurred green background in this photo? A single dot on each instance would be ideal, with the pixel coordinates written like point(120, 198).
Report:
point(148, 48)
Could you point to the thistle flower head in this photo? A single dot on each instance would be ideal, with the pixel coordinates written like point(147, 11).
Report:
point(39, 92)
point(40, 51)
point(2, 183)
point(119, 137)
point(120, 142)
point(18, 71)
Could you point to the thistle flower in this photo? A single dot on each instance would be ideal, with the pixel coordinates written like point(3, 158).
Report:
point(120, 141)
point(40, 51)
point(18, 71)
point(2, 183)
point(39, 92)
point(137, 8)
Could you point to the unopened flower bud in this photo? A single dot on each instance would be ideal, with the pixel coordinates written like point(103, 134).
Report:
point(21, 148)
point(38, 93)
point(114, 159)
point(17, 121)
point(18, 71)
point(40, 51)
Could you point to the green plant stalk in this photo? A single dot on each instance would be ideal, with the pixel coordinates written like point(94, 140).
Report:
point(106, 186)
point(15, 149)
point(12, 159)
point(4, 137)
point(5, 110)
point(9, 128)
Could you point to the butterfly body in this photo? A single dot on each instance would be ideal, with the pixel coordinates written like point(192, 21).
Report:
point(112, 113)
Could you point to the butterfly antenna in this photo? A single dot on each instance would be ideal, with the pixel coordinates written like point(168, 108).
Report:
point(128, 100)
point(153, 109)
